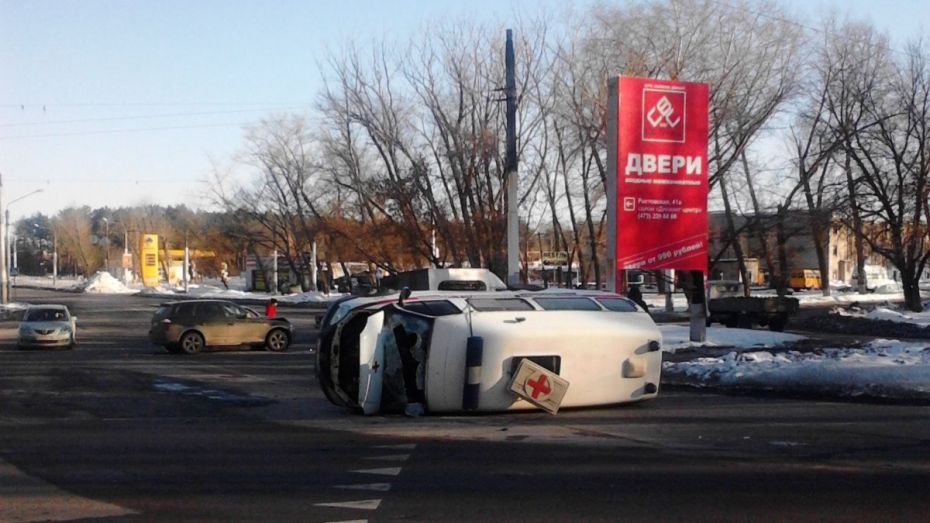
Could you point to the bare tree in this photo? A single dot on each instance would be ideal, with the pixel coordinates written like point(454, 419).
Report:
point(74, 233)
point(893, 159)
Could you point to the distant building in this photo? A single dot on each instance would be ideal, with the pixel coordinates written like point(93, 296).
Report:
point(799, 245)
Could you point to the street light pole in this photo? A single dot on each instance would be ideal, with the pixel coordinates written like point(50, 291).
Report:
point(106, 243)
point(54, 260)
point(5, 263)
point(4, 294)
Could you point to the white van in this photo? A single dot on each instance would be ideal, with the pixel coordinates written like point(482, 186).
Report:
point(387, 353)
point(875, 276)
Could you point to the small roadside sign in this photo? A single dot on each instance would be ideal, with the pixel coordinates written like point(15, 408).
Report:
point(539, 386)
point(554, 257)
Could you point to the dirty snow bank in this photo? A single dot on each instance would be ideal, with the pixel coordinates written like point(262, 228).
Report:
point(104, 283)
point(677, 337)
point(880, 369)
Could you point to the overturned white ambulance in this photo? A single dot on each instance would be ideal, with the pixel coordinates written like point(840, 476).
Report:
point(461, 351)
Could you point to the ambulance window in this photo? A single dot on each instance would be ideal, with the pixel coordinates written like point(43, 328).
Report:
point(567, 304)
point(500, 304)
point(432, 308)
point(618, 304)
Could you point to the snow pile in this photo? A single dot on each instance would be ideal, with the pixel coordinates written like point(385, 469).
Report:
point(880, 369)
point(888, 312)
point(883, 294)
point(677, 337)
point(104, 283)
point(310, 297)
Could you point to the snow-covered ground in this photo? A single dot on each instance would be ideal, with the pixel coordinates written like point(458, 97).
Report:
point(677, 337)
point(768, 361)
point(890, 369)
point(805, 298)
point(746, 359)
point(104, 283)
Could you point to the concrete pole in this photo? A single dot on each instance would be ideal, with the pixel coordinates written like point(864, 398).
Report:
point(106, 243)
point(669, 289)
point(274, 273)
point(510, 170)
point(313, 268)
point(613, 111)
point(54, 261)
point(6, 253)
point(126, 270)
point(4, 277)
point(187, 263)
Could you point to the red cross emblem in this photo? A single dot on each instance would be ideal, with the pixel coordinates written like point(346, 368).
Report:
point(540, 386)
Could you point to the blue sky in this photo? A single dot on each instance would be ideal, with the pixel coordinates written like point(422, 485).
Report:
point(126, 102)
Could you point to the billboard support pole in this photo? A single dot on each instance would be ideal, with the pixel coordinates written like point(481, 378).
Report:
point(698, 329)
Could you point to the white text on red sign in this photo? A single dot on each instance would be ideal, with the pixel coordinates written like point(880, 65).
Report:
point(640, 164)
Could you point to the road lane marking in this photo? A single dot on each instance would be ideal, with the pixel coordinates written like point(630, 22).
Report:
point(363, 504)
point(386, 471)
point(377, 487)
point(390, 457)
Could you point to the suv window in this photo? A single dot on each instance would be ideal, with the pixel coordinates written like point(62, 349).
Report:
point(184, 312)
point(209, 311)
point(161, 313)
point(231, 310)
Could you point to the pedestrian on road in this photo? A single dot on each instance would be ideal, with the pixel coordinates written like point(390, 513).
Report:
point(636, 295)
point(271, 308)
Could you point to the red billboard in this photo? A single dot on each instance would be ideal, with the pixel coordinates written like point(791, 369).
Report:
point(661, 205)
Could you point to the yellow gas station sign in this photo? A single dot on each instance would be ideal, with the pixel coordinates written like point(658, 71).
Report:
point(150, 260)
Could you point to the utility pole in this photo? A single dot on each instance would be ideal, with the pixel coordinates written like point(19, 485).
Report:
point(4, 277)
point(187, 263)
point(54, 260)
point(510, 168)
point(106, 242)
point(274, 273)
point(313, 274)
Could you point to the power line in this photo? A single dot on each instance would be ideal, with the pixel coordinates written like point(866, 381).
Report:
point(149, 104)
point(147, 116)
point(136, 130)
point(728, 5)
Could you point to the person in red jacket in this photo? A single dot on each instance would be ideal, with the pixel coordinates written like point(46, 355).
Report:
point(271, 308)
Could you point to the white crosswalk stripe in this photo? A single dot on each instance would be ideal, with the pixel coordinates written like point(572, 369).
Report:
point(389, 457)
point(386, 471)
point(364, 504)
point(379, 487)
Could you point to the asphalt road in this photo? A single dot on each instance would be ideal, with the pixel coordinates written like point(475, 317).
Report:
point(118, 430)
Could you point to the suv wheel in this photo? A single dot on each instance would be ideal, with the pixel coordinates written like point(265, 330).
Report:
point(277, 340)
point(191, 342)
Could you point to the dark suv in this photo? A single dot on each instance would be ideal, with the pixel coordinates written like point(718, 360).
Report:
point(189, 326)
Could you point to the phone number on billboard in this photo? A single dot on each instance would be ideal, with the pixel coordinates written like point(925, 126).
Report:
point(657, 216)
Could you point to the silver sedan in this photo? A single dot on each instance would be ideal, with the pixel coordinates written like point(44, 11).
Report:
point(47, 326)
